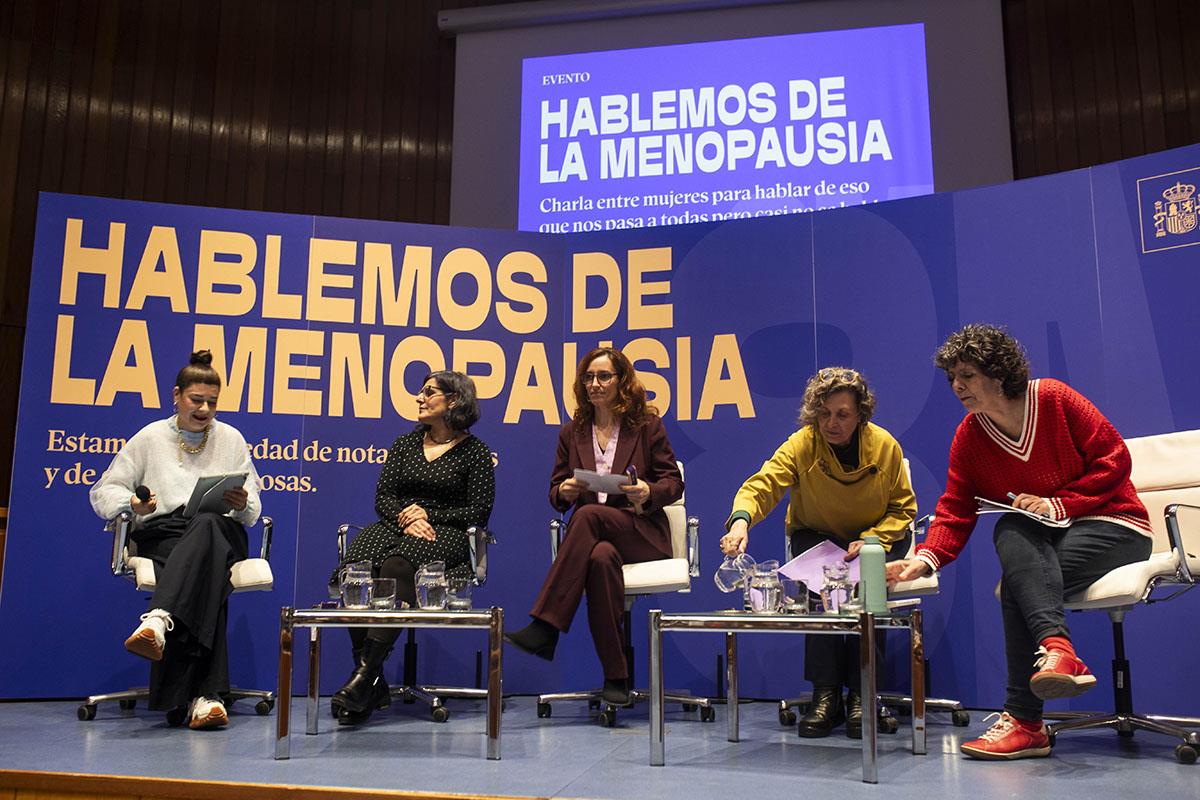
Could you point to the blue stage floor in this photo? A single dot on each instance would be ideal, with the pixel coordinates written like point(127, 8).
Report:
point(569, 755)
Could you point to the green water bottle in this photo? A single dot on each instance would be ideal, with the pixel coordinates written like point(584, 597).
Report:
point(872, 576)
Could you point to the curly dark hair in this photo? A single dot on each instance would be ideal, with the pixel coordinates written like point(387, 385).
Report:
point(836, 379)
point(465, 411)
point(199, 369)
point(630, 403)
point(990, 348)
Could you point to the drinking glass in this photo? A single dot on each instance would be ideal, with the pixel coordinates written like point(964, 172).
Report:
point(383, 593)
point(794, 596)
point(733, 572)
point(459, 598)
point(836, 587)
point(432, 587)
point(764, 589)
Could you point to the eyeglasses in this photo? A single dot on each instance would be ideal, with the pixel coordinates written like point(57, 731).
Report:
point(839, 373)
point(429, 392)
point(601, 378)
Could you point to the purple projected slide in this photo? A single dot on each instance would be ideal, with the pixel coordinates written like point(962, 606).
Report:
point(723, 130)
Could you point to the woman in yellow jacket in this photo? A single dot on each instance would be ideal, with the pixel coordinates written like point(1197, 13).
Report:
point(846, 479)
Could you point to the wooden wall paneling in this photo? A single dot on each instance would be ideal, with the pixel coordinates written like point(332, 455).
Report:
point(1108, 107)
point(223, 80)
point(338, 151)
point(1129, 100)
point(114, 157)
point(55, 124)
point(1060, 56)
point(391, 96)
point(78, 90)
point(408, 69)
point(1020, 101)
point(100, 99)
point(142, 110)
point(1172, 72)
point(316, 118)
point(281, 74)
point(12, 343)
point(233, 105)
point(1189, 34)
point(337, 126)
point(260, 39)
point(16, 57)
point(1150, 88)
point(373, 104)
point(356, 58)
point(158, 147)
point(427, 121)
point(186, 111)
point(33, 143)
point(445, 132)
point(1080, 41)
point(297, 121)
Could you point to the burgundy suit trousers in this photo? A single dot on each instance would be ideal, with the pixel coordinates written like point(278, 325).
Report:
point(599, 540)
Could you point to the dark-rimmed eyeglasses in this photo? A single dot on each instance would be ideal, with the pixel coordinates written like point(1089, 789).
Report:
point(603, 378)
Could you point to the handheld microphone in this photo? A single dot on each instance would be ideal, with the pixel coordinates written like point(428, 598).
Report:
point(142, 493)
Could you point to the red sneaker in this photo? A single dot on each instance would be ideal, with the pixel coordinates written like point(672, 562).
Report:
point(1009, 738)
point(1060, 674)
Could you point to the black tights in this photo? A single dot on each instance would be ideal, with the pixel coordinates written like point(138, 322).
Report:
point(401, 570)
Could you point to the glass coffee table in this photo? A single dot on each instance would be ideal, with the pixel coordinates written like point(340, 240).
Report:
point(491, 620)
point(731, 623)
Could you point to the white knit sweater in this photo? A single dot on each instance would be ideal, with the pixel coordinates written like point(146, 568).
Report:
point(152, 458)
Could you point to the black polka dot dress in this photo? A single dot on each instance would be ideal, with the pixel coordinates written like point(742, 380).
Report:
point(456, 490)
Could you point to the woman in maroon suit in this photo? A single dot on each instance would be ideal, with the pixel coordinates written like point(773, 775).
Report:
point(613, 432)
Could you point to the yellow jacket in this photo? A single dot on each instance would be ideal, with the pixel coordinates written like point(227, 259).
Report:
point(877, 498)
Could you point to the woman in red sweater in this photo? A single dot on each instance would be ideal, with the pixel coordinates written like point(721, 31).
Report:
point(1041, 446)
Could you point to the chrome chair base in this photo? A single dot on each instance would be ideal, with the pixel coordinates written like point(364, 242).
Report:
point(129, 698)
point(608, 712)
point(887, 701)
point(1125, 724)
point(435, 697)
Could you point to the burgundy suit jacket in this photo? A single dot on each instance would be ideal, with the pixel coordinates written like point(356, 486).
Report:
point(645, 447)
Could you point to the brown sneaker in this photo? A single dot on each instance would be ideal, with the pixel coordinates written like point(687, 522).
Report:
point(1007, 739)
point(206, 714)
point(149, 638)
point(1060, 674)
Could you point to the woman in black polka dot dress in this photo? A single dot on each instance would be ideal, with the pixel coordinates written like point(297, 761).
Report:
point(437, 482)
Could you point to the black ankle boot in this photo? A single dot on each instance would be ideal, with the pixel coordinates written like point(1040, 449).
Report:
point(824, 714)
point(616, 692)
point(366, 687)
point(854, 714)
point(380, 698)
point(335, 703)
point(537, 638)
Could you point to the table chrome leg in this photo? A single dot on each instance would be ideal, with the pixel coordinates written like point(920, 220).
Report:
point(314, 681)
point(870, 700)
point(284, 698)
point(918, 683)
point(657, 728)
point(495, 682)
point(731, 681)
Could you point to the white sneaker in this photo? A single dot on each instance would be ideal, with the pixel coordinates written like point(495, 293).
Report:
point(150, 637)
point(207, 713)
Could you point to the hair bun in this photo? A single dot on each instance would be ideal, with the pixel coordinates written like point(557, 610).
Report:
point(201, 357)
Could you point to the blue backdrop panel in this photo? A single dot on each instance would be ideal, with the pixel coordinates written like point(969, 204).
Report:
point(1073, 264)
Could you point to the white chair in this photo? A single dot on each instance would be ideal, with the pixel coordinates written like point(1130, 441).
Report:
point(648, 577)
point(247, 575)
point(1166, 474)
point(435, 695)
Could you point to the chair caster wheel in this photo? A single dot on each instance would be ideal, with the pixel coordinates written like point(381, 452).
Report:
point(888, 725)
point(176, 717)
point(787, 718)
point(608, 717)
point(127, 704)
point(688, 707)
point(263, 707)
point(1186, 753)
point(543, 710)
point(960, 718)
point(707, 713)
point(439, 714)
point(86, 713)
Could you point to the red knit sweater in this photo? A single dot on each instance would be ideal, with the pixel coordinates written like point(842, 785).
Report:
point(1068, 453)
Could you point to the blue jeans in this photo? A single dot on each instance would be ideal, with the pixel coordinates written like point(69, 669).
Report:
point(1041, 565)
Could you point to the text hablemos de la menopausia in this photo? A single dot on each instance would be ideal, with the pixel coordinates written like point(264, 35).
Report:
point(633, 141)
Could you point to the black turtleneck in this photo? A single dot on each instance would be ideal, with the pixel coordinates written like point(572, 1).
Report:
point(847, 454)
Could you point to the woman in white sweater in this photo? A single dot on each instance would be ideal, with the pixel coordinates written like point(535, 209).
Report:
point(153, 475)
